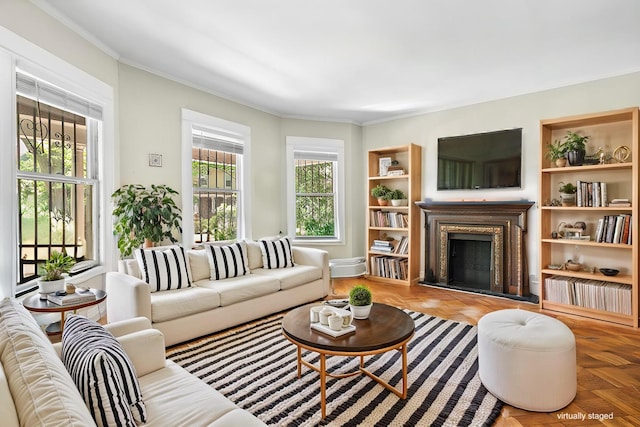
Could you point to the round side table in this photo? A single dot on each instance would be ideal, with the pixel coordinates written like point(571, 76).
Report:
point(37, 305)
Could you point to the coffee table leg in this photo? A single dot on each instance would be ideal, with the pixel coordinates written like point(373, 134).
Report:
point(299, 362)
point(404, 371)
point(323, 384)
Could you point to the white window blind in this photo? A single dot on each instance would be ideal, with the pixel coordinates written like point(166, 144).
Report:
point(36, 89)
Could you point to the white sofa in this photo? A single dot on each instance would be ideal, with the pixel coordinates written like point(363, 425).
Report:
point(213, 305)
point(36, 389)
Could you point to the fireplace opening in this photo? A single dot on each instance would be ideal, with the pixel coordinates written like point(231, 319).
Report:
point(470, 261)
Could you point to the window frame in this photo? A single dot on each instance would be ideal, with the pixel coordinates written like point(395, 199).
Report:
point(18, 53)
point(317, 145)
point(191, 119)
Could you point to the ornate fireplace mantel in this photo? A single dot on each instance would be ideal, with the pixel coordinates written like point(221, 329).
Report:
point(504, 221)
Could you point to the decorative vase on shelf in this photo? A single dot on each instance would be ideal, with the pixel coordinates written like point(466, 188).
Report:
point(576, 157)
point(399, 202)
point(382, 202)
point(568, 199)
point(561, 162)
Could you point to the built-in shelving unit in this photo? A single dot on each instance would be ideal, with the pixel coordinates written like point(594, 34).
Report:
point(588, 292)
point(400, 263)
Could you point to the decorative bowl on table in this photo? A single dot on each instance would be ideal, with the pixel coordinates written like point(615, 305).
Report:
point(609, 271)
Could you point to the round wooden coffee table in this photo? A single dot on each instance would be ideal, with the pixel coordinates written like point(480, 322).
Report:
point(387, 328)
point(35, 304)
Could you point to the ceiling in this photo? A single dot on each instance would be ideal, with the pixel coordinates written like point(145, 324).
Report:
point(363, 61)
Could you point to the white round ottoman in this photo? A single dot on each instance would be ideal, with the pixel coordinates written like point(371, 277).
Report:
point(527, 360)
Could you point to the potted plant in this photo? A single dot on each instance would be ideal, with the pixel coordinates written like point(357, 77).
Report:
point(556, 153)
point(575, 146)
point(397, 197)
point(54, 269)
point(381, 192)
point(567, 194)
point(144, 216)
point(360, 301)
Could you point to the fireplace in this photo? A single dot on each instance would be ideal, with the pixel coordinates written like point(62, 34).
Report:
point(479, 246)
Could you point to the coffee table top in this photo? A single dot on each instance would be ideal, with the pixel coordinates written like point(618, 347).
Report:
point(386, 326)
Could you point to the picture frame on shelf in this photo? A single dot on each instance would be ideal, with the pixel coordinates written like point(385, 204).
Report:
point(383, 165)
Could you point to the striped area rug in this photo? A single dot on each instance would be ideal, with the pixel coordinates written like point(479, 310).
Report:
point(255, 367)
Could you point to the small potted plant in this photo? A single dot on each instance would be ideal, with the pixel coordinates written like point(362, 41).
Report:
point(54, 269)
point(381, 193)
point(556, 153)
point(567, 194)
point(360, 301)
point(576, 148)
point(398, 198)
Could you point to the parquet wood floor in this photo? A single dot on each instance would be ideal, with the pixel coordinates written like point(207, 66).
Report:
point(608, 356)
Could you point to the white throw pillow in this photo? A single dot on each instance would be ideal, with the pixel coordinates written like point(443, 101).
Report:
point(276, 253)
point(228, 260)
point(164, 269)
point(102, 372)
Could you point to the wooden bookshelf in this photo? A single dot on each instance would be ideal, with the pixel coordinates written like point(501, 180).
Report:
point(393, 267)
point(607, 130)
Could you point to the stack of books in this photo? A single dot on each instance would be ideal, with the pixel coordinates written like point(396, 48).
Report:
point(620, 203)
point(385, 246)
point(71, 299)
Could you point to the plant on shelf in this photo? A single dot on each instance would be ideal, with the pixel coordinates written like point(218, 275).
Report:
point(360, 300)
point(567, 194)
point(557, 154)
point(53, 271)
point(575, 146)
point(144, 216)
point(381, 192)
point(397, 197)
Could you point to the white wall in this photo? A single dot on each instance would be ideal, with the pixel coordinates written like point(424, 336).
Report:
point(524, 111)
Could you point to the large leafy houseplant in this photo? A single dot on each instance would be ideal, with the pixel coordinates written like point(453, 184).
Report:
point(144, 214)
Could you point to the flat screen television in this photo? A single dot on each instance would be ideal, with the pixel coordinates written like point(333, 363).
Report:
point(480, 161)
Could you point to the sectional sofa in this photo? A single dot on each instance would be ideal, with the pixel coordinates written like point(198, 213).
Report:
point(37, 390)
point(212, 301)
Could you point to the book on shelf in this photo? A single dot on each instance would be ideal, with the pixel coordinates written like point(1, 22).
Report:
point(593, 294)
point(388, 219)
point(383, 246)
point(591, 194)
point(614, 229)
point(389, 267)
point(620, 203)
point(71, 299)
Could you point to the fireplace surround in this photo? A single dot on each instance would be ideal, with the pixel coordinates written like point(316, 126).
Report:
point(503, 224)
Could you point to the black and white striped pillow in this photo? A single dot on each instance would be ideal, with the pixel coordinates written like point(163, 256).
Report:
point(103, 373)
point(276, 253)
point(164, 269)
point(228, 260)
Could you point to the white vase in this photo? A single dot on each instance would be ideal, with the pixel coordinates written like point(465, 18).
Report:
point(49, 286)
point(360, 311)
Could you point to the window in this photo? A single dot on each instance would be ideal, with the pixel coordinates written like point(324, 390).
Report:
point(218, 162)
point(56, 175)
point(315, 189)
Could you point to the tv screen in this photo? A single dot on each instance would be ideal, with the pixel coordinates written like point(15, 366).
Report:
point(480, 161)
